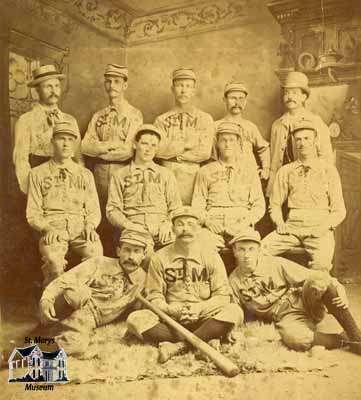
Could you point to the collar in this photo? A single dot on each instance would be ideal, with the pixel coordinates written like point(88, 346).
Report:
point(151, 165)
point(314, 164)
point(287, 118)
point(121, 110)
point(69, 165)
point(45, 109)
point(224, 165)
point(194, 254)
point(191, 110)
point(137, 277)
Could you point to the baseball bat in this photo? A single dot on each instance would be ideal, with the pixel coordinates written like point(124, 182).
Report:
point(223, 363)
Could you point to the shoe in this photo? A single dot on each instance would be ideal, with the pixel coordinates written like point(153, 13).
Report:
point(167, 350)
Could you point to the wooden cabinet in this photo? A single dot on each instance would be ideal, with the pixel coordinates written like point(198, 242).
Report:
point(348, 234)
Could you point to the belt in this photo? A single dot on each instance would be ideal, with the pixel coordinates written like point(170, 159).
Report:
point(98, 160)
point(35, 160)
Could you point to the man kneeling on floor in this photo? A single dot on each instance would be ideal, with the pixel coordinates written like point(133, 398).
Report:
point(294, 298)
point(187, 281)
point(95, 292)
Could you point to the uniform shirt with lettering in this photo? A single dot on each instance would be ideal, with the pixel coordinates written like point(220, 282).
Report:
point(314, 186)
point(108, 285)
point(112, 125)
point(174, 278)
point(227, 186)
point(282, 127)
point(141, 189)
point(251, 140)
point(33, 134)
point(260, 291)
point(64, 193)
point(187, 135)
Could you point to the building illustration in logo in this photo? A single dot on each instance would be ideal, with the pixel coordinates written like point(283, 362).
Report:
point(30, 364)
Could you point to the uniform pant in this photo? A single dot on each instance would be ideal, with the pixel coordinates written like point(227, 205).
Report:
point(75, 331)
point(102, 175)
point(232, 220)
point(141, 321)
point(299, 313)
point(53, 255)
point(185, 173)
point(320, 249)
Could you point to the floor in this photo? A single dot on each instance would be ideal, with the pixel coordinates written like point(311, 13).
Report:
point(339, 382)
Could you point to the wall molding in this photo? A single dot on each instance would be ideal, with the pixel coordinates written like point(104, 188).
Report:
point(210, 15)
point(129, 30)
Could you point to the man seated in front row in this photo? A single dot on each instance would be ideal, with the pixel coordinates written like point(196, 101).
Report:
point(187, 281)
point(144, 193)
point(63, 204)
point(311, 188)
point(94, 293)
point(227, 192)
point(277, 290)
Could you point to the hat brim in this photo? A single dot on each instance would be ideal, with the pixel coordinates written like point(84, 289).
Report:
point(36, 81)
point(133, 242)
point(71, 133)
point(185, 215)
point(245, 239)
point(235, 90)
point(304, 88)
point(116, 75)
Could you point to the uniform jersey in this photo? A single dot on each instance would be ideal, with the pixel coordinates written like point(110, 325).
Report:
point(282, 128)
point(112, 125)
point(188, 135)
point(142, 190)
point(261, 291)
point(108, 283)
point(62, 193)
point(250, 140)
point(312, 189)
point(33, 134)
point(174, 278)
point(229, 186)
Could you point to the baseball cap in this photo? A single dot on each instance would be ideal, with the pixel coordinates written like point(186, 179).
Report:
point(246, 234)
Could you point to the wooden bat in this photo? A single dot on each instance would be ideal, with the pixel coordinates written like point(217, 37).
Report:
point(223, 363)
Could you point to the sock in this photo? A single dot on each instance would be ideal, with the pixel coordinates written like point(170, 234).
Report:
point(213, 329)
point(160, 333)
point(343, 316)
point(328, 340)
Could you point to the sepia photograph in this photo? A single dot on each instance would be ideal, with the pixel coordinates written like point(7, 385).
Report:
point(180, 199)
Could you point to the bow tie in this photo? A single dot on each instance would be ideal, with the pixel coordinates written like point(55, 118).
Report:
point(304, 170)
point(51, 115)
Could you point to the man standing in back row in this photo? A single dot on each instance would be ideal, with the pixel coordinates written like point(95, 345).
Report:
point(283, 148)
point(188, 134)
point(109, 138)
point(235, 99)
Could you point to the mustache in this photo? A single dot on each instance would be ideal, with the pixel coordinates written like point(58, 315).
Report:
point(186, 235)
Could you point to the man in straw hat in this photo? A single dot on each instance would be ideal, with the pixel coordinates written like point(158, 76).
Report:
point(311, 189)
point(109, 138)
point(235, 100)
point(294, 298)
point(63, 205)
point(283, 151)
point(34, 129)
point(227, 192)
point(188, 133)
point(188, 281)
point(94, 293)
point(144, 193)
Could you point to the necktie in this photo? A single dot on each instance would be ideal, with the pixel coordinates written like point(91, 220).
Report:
point(52, 115)
point(304, 170)
point(62, 174)
point(187, 274)
point(230, 181)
